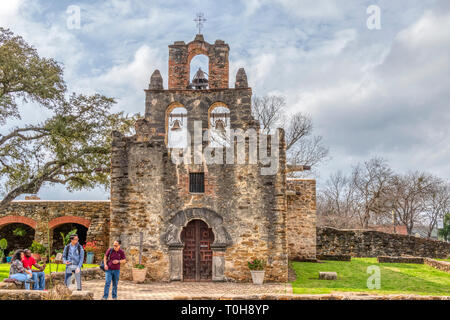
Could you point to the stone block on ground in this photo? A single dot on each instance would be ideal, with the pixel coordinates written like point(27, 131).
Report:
point(328, 275)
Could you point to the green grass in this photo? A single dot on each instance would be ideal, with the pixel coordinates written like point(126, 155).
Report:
point(4, 269)
point(352, 277)
point(443, 259)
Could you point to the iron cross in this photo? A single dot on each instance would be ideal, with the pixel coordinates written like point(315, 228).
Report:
point(141, 245)
point(200, 20)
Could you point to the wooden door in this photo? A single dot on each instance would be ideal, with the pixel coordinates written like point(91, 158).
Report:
point(197, 253)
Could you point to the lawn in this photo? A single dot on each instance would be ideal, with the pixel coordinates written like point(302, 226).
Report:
point(4, 269)
point(352, 277)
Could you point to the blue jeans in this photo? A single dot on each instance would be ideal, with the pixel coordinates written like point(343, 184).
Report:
point(114, 276)
point(68, 275)
point(39, 280)
point(23, 277)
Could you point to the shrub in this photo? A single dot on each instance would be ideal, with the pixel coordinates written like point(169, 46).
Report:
point(36, 247)
point(3, 245)
point(90, 246)
point(19, 231)
point(256, 264)
point(139, 266)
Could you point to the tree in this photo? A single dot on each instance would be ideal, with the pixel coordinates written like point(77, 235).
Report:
point(301, 147)
point(371, 183)
point(72, 147)
point(445, 231)
point(336, 203)
point(437, 204)
point(408, 197)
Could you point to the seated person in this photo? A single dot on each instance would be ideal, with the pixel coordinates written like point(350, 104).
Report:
point(38, 275)
point(18, 272)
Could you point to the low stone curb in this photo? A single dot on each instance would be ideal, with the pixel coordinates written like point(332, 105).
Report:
point(58, 277)
point(41, 295)
point(440, 265)
point(386, 259)
point(312, 297)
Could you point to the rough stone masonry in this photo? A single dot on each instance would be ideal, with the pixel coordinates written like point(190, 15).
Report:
point(239, 213)
point(245, 211)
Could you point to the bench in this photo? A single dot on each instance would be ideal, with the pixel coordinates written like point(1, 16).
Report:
point(19, 284)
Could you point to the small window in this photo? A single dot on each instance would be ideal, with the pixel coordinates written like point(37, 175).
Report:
point(197, 182)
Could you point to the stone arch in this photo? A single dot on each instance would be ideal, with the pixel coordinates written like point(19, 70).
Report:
point(176, 224)
point(169, 110)
point(17, 219)
point(68, 219)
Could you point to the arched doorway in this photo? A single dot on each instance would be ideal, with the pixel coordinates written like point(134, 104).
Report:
point(57, 244)
point(18, 235)
point(197, 254)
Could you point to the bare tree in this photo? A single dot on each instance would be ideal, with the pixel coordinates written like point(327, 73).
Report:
point(437, 204)
point(336, 203)
point(268, 110)
point(371, 183)
point(302, 148)
point(408, 197)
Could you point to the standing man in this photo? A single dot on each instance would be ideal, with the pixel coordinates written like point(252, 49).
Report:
point(73, 257)
point(112, 261)
point(38, 275)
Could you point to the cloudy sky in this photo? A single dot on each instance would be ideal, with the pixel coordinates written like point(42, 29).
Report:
point(379, 92)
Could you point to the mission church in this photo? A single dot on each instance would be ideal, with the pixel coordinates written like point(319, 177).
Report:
point(192, 221)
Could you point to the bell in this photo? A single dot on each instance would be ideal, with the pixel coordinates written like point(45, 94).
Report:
point(200, 81)
point(176, 126)
point(220, 126)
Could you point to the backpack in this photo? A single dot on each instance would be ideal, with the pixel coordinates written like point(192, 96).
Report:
point(79, 251)
point(102, 264)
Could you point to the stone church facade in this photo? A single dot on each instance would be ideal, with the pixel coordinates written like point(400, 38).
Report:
point(202, 221)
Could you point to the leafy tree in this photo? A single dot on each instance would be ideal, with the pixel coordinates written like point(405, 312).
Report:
point(72, 147)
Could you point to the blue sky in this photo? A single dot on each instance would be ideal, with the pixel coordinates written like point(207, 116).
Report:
point(370, 92)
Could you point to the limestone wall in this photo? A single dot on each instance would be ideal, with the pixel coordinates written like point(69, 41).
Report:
point(368, 243)
point(301, 219)
point(42, 215)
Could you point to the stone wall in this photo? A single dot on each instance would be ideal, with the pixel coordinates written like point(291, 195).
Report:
point(368, 243)
point(41, 215)
point(149, 192)
point(301, 219)
point(181, 54)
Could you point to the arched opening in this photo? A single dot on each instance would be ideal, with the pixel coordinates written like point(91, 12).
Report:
point(198, 62)
point(176, 126)
point(219, 125)
point(57, 241)
point(197, 238)
point(18, 235)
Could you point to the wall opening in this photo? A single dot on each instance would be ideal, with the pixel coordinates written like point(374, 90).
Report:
point(18, 235)
point(219, 125)
point(199, 61)
point(177, 132)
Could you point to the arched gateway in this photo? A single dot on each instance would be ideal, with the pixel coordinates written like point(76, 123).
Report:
point(197, 240)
